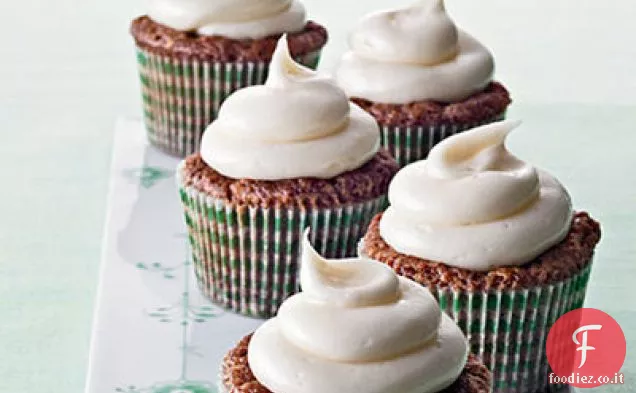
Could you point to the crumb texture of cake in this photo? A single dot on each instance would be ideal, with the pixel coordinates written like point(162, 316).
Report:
point(558, 263)
point(485, 105)
point(367, 182)
point(160, 39)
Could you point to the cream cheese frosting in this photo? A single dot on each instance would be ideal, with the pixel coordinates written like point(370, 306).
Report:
point(357, 327)
point(298, 124)
point(238, 19)
point(413, 54)
point(474, 205)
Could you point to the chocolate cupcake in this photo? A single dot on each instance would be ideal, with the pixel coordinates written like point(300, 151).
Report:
point(497, 243)
point(193, 54)
point(280, 157)
point(421, 77)
point(356, 328)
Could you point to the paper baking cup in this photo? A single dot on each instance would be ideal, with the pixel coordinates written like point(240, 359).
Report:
point(410, 144)
point(508, 329)
point(182, 96)
point(246, 258)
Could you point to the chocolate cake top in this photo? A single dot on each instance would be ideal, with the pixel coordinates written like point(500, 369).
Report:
point(163, 40)
point(480, 107)
point(558, 263)
point(365, 183)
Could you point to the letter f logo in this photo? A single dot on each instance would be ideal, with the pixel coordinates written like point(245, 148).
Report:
point(583, 344)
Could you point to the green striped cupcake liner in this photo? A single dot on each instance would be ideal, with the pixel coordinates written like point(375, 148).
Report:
point(508, 329)
point(182, 96)
point(246, 258)
point(413, 143)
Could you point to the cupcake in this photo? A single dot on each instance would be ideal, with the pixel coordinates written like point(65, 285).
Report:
point(498, 244)
point(280, 157)
point(356, 328)
point(421, 77)
point(192, 54)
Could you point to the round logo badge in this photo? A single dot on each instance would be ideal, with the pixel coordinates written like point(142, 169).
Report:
point(586, 348)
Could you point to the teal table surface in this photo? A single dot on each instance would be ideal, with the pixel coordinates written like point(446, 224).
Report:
point(69, 72)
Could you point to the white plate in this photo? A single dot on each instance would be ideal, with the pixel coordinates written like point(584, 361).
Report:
point(153, 332)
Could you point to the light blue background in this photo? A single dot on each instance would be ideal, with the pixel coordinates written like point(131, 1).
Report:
point(67, 70)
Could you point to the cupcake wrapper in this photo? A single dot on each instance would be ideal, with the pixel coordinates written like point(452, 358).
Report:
point(246, 258)
point(410, 144)
point(508, 329)
point(182, 96)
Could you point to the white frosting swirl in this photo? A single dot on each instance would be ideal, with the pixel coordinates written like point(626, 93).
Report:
point(299, 124)
point(413, 54)
point(474, 205)
point(357, 327)
point(238, 19)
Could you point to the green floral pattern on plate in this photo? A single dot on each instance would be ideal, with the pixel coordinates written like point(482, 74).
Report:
point(148, 176)
point(184, 313)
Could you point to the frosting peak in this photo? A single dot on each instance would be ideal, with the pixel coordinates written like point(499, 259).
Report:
point(475, 152)
point(348, 282)
point(284, 70)
point(357, 327)
point(498, 183)
point(295, 104)
point(425, 33)
point(298, 124)
point(237, 19)
point(473, 204)
point(413, 54)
